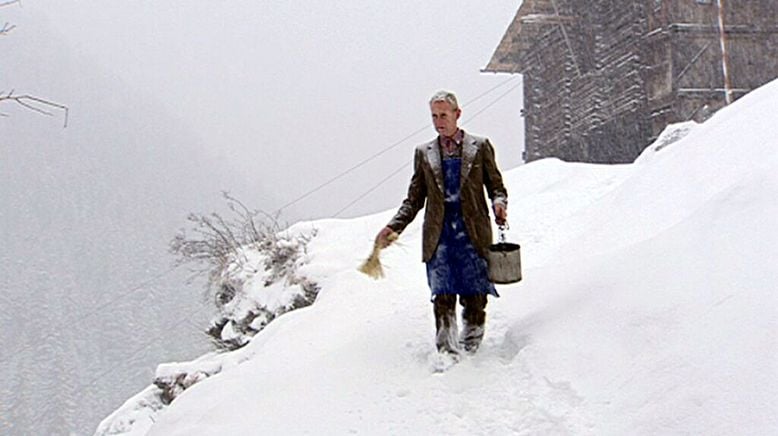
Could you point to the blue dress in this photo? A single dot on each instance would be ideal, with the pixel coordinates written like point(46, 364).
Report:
point(456, 267)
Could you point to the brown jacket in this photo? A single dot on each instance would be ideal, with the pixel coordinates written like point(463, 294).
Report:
point(479, 170)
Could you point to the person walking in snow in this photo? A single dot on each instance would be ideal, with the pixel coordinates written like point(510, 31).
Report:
point(450, 174)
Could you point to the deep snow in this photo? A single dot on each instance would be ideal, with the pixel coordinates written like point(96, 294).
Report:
point(649, 306)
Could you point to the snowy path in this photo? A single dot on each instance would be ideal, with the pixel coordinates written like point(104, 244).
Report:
point(367, 353)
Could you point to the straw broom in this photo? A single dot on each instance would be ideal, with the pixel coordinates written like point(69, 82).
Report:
point(372, 265)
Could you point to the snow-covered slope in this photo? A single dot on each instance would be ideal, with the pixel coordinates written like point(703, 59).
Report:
point(649, 306)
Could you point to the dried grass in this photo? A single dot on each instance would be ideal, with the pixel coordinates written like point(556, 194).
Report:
point(372, 265)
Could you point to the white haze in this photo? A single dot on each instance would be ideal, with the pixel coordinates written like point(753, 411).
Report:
point(170, 103)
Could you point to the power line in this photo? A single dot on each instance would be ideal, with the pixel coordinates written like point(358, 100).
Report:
point(344, 173)
point(488, 91)
point(492, 103)
point(363, 195)
point(385, 179)
point(385, 150)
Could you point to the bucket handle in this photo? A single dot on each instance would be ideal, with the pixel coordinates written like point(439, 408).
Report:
point(502, 229)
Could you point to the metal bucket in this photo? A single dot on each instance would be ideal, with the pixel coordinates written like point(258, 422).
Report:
point(504, 263)
point(504, 259)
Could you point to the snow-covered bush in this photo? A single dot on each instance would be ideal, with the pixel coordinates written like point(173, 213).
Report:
point(261, 283)
point(251, 263)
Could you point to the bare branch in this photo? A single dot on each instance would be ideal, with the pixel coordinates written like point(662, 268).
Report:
point(30, 102)
point(7, 27)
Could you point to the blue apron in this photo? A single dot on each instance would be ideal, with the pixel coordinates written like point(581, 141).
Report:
point(456, 267)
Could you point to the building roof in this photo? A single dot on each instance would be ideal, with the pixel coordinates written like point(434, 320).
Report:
point(506, 58)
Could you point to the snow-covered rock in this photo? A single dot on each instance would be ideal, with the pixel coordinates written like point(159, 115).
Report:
point(671, 134)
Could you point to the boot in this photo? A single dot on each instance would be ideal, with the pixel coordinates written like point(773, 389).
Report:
point(473, 321)
point(444, 307)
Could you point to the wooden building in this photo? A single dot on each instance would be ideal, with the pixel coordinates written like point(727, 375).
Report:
point(602, 78)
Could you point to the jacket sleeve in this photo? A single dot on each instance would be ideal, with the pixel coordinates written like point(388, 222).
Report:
point(493, 178)
point(414, 201)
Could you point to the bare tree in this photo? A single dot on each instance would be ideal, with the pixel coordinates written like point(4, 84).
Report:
point(30, 102)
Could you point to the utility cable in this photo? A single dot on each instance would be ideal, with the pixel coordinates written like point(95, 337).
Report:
point(385, 179)
point(376, 186)
point(385, 150)
point(344, 173)
point(490, 104)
